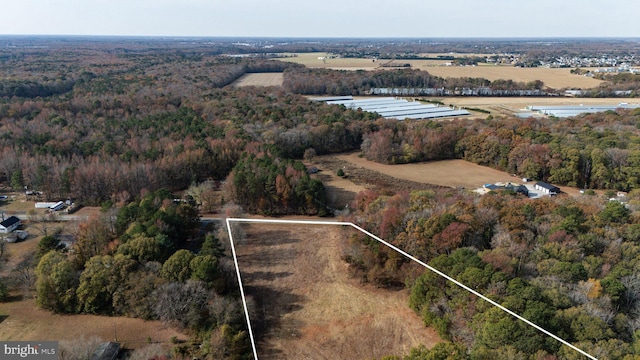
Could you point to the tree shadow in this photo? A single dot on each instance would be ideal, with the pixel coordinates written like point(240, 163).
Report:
point(266, 275)
point(271, 238)
point(267, 319)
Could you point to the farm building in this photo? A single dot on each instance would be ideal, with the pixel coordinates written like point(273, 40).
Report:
point(400, 109)
point(106, 351)
point(574, 110)
point(547, 188)
point(520, 189)
point(57, 206)
point(9, 224)
point(44, 205)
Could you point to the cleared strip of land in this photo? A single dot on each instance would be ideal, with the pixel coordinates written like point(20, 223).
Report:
point(554, 78)
point(310, 308)
point(23, 320)
point(451, 173)
point(259, 79)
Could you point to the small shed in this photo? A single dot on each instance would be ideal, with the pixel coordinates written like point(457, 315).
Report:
point(106, 351)
point(547, 188)
point(9, 224)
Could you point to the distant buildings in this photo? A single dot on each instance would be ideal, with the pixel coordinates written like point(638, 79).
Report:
point(394, 108)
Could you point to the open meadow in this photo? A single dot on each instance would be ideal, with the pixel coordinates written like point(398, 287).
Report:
point(21, 319)
point(557, 78)
point(259, 79)
point(444, 173)
point(554, 78)
point(308, 305)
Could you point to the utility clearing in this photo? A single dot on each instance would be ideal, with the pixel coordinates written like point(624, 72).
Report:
point(308, 307)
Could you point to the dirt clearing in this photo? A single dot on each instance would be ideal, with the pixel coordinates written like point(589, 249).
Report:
point(23, 320)
point(341, 191)
point(553, 78)
point(308, 305)
point(259, 79)
point(444, 173)
point(450, 173)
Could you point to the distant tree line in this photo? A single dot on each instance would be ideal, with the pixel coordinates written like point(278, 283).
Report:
point(332, 82)
point(583, 151)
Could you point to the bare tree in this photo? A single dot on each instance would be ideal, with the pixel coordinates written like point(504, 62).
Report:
point(153, 351)
point(24, 274)
point(309, 154)
point(232, 210)
point(80, 348)
point(181, 302)
point(43, 222)
point(3, 251)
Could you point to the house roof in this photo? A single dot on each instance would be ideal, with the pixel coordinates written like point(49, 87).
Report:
point(549, 187)
point(106, 351)
point(10, 221)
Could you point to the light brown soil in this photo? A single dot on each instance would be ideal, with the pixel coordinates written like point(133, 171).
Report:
point(448, 173)
point(22, 320)
point(311, 308)
point(509, 105)
point(260, 79)
point(554, 78)
point(341, 191)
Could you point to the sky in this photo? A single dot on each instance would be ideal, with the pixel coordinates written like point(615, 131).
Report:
point(327, 18)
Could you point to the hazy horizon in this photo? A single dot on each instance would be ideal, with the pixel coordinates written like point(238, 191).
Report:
point(327, 19)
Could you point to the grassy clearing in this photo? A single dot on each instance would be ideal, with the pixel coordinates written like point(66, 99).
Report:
point(312, 308)
point(260, 79)
point(554, 78)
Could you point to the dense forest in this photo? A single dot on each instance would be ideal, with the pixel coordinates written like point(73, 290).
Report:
point(128, 125)
point(596, 151)
point(139, 265)
point(567, 264)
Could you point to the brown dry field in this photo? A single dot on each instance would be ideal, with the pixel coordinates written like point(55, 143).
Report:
point(554, 78)
point(21, 319)
point(448, 173)
point(451, 173)
point(510, 105)
point(312, 308)
point(259, 79)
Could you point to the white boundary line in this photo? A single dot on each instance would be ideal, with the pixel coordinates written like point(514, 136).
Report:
point(340, 223)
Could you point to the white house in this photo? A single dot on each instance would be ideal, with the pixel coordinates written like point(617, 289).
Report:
point(10, 224)
point(547, 188)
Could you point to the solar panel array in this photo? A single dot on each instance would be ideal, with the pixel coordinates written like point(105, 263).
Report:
point(394, 108)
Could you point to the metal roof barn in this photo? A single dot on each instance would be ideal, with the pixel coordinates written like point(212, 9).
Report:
point(332, 98)
point(409, 106)
point(575, 110)
point(434, 115)
point(393, 108)
point(417, 111)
